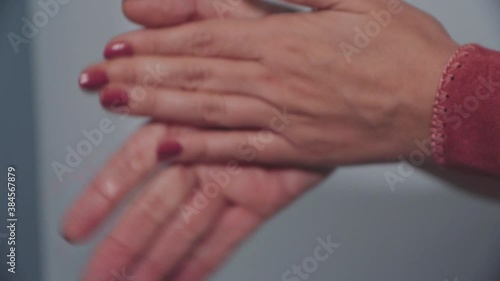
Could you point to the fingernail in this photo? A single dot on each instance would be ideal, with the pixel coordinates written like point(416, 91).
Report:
point(92, 80)
point(118, 49)
point(114, 98)
point(168, 149)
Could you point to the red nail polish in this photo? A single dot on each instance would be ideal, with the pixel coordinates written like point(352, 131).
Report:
point(168, 149)
point(118, 49)
point(114, 98)
point(93, 80)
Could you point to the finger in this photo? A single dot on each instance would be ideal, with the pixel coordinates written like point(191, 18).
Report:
point(185, 73)
point(153, 13)
point(256, 147)
point(178, 238)
point(127, 168)
point(148, 213)
point(191, 108)
point(239, 39)
point(158, 13)
point(231, 228)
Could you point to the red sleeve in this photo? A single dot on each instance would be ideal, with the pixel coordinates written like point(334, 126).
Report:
point(466, 122)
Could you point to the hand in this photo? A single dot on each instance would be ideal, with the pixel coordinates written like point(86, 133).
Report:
point(345, 103)
point(155, 238)
point(186, 220)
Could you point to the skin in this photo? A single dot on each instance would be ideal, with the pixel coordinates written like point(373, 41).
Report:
point(152, 13)
point(235, 74)
point(157, 233)
point(340, 109)
point(153, 240)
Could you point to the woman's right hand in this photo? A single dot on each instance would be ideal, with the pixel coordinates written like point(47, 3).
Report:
point(283, 87)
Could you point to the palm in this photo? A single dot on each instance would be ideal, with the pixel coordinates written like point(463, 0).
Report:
point(264, 191)
point(187, 217)
point(250, 197)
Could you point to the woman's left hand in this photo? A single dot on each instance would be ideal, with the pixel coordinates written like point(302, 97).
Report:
point(186, 220)
point(352, 82)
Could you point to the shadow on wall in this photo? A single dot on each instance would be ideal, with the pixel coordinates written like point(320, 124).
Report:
point(478, 185)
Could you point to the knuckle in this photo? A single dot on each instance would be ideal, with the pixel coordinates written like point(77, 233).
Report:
point(194, 76)
point(213, 110)
point(126, 70)
point(100, 190)
point(118, 243)
point(200, 42)
point(151, 209)
point(289, 44)
point(150, 104)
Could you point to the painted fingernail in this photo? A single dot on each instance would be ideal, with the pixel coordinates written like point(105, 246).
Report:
point(93, 80)
point(118, 49)
point(114, 98)
point(168, 149)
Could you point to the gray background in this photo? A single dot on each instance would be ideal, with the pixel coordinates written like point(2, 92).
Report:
point(434, 226)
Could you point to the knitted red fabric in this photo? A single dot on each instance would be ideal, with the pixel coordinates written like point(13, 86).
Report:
point(466, 122)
